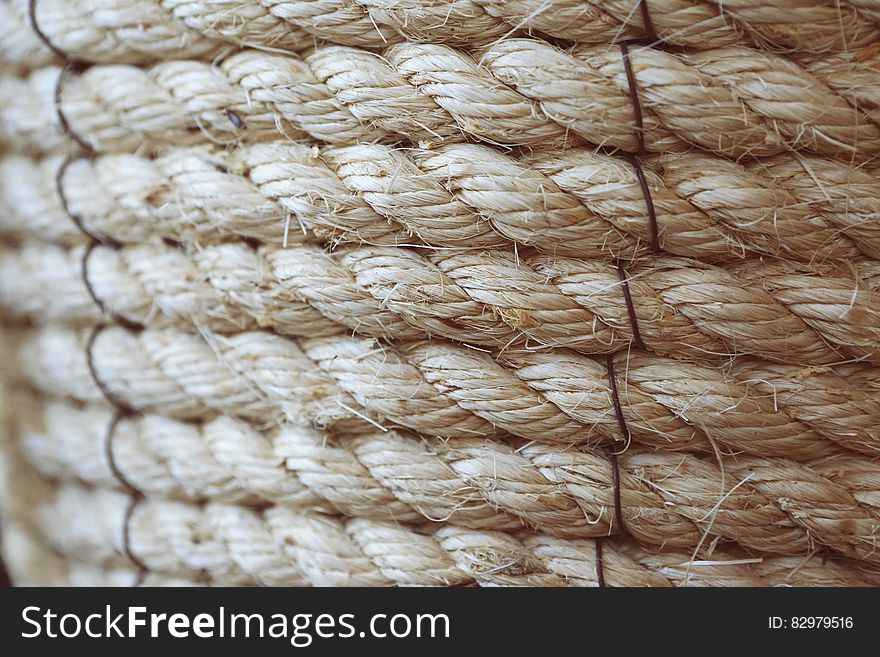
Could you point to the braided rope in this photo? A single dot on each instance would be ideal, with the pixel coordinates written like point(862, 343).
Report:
point(138, 31)
point(235, 545)
point(99, 377)
point(35, 564)
point(28, 120)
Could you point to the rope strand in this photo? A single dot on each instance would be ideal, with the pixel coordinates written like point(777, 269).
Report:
point(440, 389)
point(677, 308)
point(168, 28)
point(423, 93)
point(569, 203)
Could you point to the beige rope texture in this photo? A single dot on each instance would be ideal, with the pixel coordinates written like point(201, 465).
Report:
point(854, 71)
point(34, 565)
point(20, 48)
point(574, 203)
point(839, 307)
point(667, 500)
point(232, 545)
point(733, 101)
point(138, 31)
point(32, 562)
point(288, 324)
point(28, 120)
point(325, 550)
point(440, 389)
point(786, 313)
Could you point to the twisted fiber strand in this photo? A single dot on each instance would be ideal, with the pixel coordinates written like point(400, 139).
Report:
point(235, 545)
point(20, 48)
point(776, 571)
point(208, 548)
point(440, 389)
point(666, 499)
point(572, 562)
point(854, 73)
point(28, 120)
point(77, 28)
point(778, 311)
point(732, 101)
point(845, 317)
point(524, 92)
point(797, 25)
point(868, 7)
point(571, 203)
point(141, 200)
point(26, 550)
point(327, 477)
point(208, 555)
point(168, 290)
point(569, 558)
point(572, 470)
point(224, 461)
point(32, 563)
point(103, 36)
point(32, 560)
point(29, 204)
point(115, 31)
point(52, 268)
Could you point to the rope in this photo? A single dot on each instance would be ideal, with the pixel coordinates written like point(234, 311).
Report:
point(569, 203)
point(156, 29)
point(331, 96)
point(440, 389)
point(180, 539)
point(441, 293)
point(680, 309)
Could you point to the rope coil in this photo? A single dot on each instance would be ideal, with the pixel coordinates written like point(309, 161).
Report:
point(461, 293)
point(123, 411)
point(825, 26)
point(190, 100)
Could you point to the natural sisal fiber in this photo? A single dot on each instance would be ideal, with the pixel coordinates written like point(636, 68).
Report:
point(137, 31)
point(32, 562)
point(791, 314)
point(232, 545)
point(21, 49)
point(733, 101)
point(837, 303)
point(775, 506)
point(573, 203)
point(28, 120)
point(36, 564)
point(396, 293)
point(667, 500)
point(440, 389)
